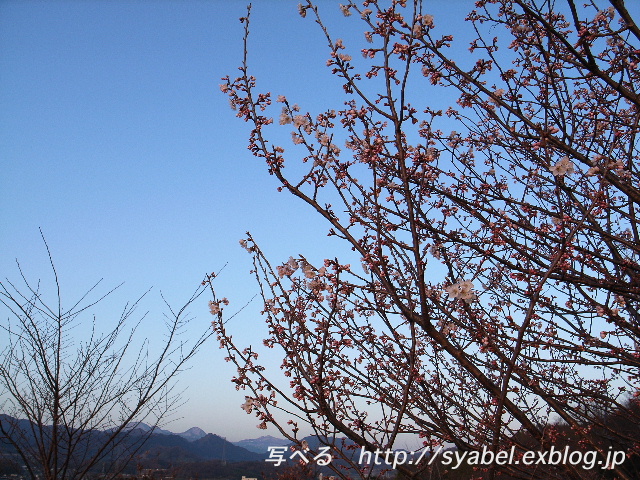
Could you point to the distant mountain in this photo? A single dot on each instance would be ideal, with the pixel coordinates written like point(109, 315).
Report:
point(144, 428)
point(209, 447)
point(194, 445)
point(217, 448)
point(262, 444)
point(194, 433)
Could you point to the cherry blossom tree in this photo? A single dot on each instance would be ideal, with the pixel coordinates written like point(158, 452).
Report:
point(491, 289)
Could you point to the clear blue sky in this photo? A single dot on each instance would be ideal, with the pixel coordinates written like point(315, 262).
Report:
point(116, 141)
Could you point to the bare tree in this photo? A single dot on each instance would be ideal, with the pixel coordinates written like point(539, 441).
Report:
point(72, 406)
point(496, 304)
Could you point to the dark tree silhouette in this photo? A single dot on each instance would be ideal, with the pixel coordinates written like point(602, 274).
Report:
point(72, 405)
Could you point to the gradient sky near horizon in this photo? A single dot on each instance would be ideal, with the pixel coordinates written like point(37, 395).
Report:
point(116, 141)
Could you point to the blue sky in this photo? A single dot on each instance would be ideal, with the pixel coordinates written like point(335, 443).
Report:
point(116, 141)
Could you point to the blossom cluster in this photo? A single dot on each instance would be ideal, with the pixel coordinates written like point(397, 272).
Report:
point(462, 290)
point(564, 166)
point(214, 306)
point(249, 404)
point(292, 265)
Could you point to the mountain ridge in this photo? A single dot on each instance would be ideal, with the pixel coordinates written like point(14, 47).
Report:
point(262, 444)
point(191, 445)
